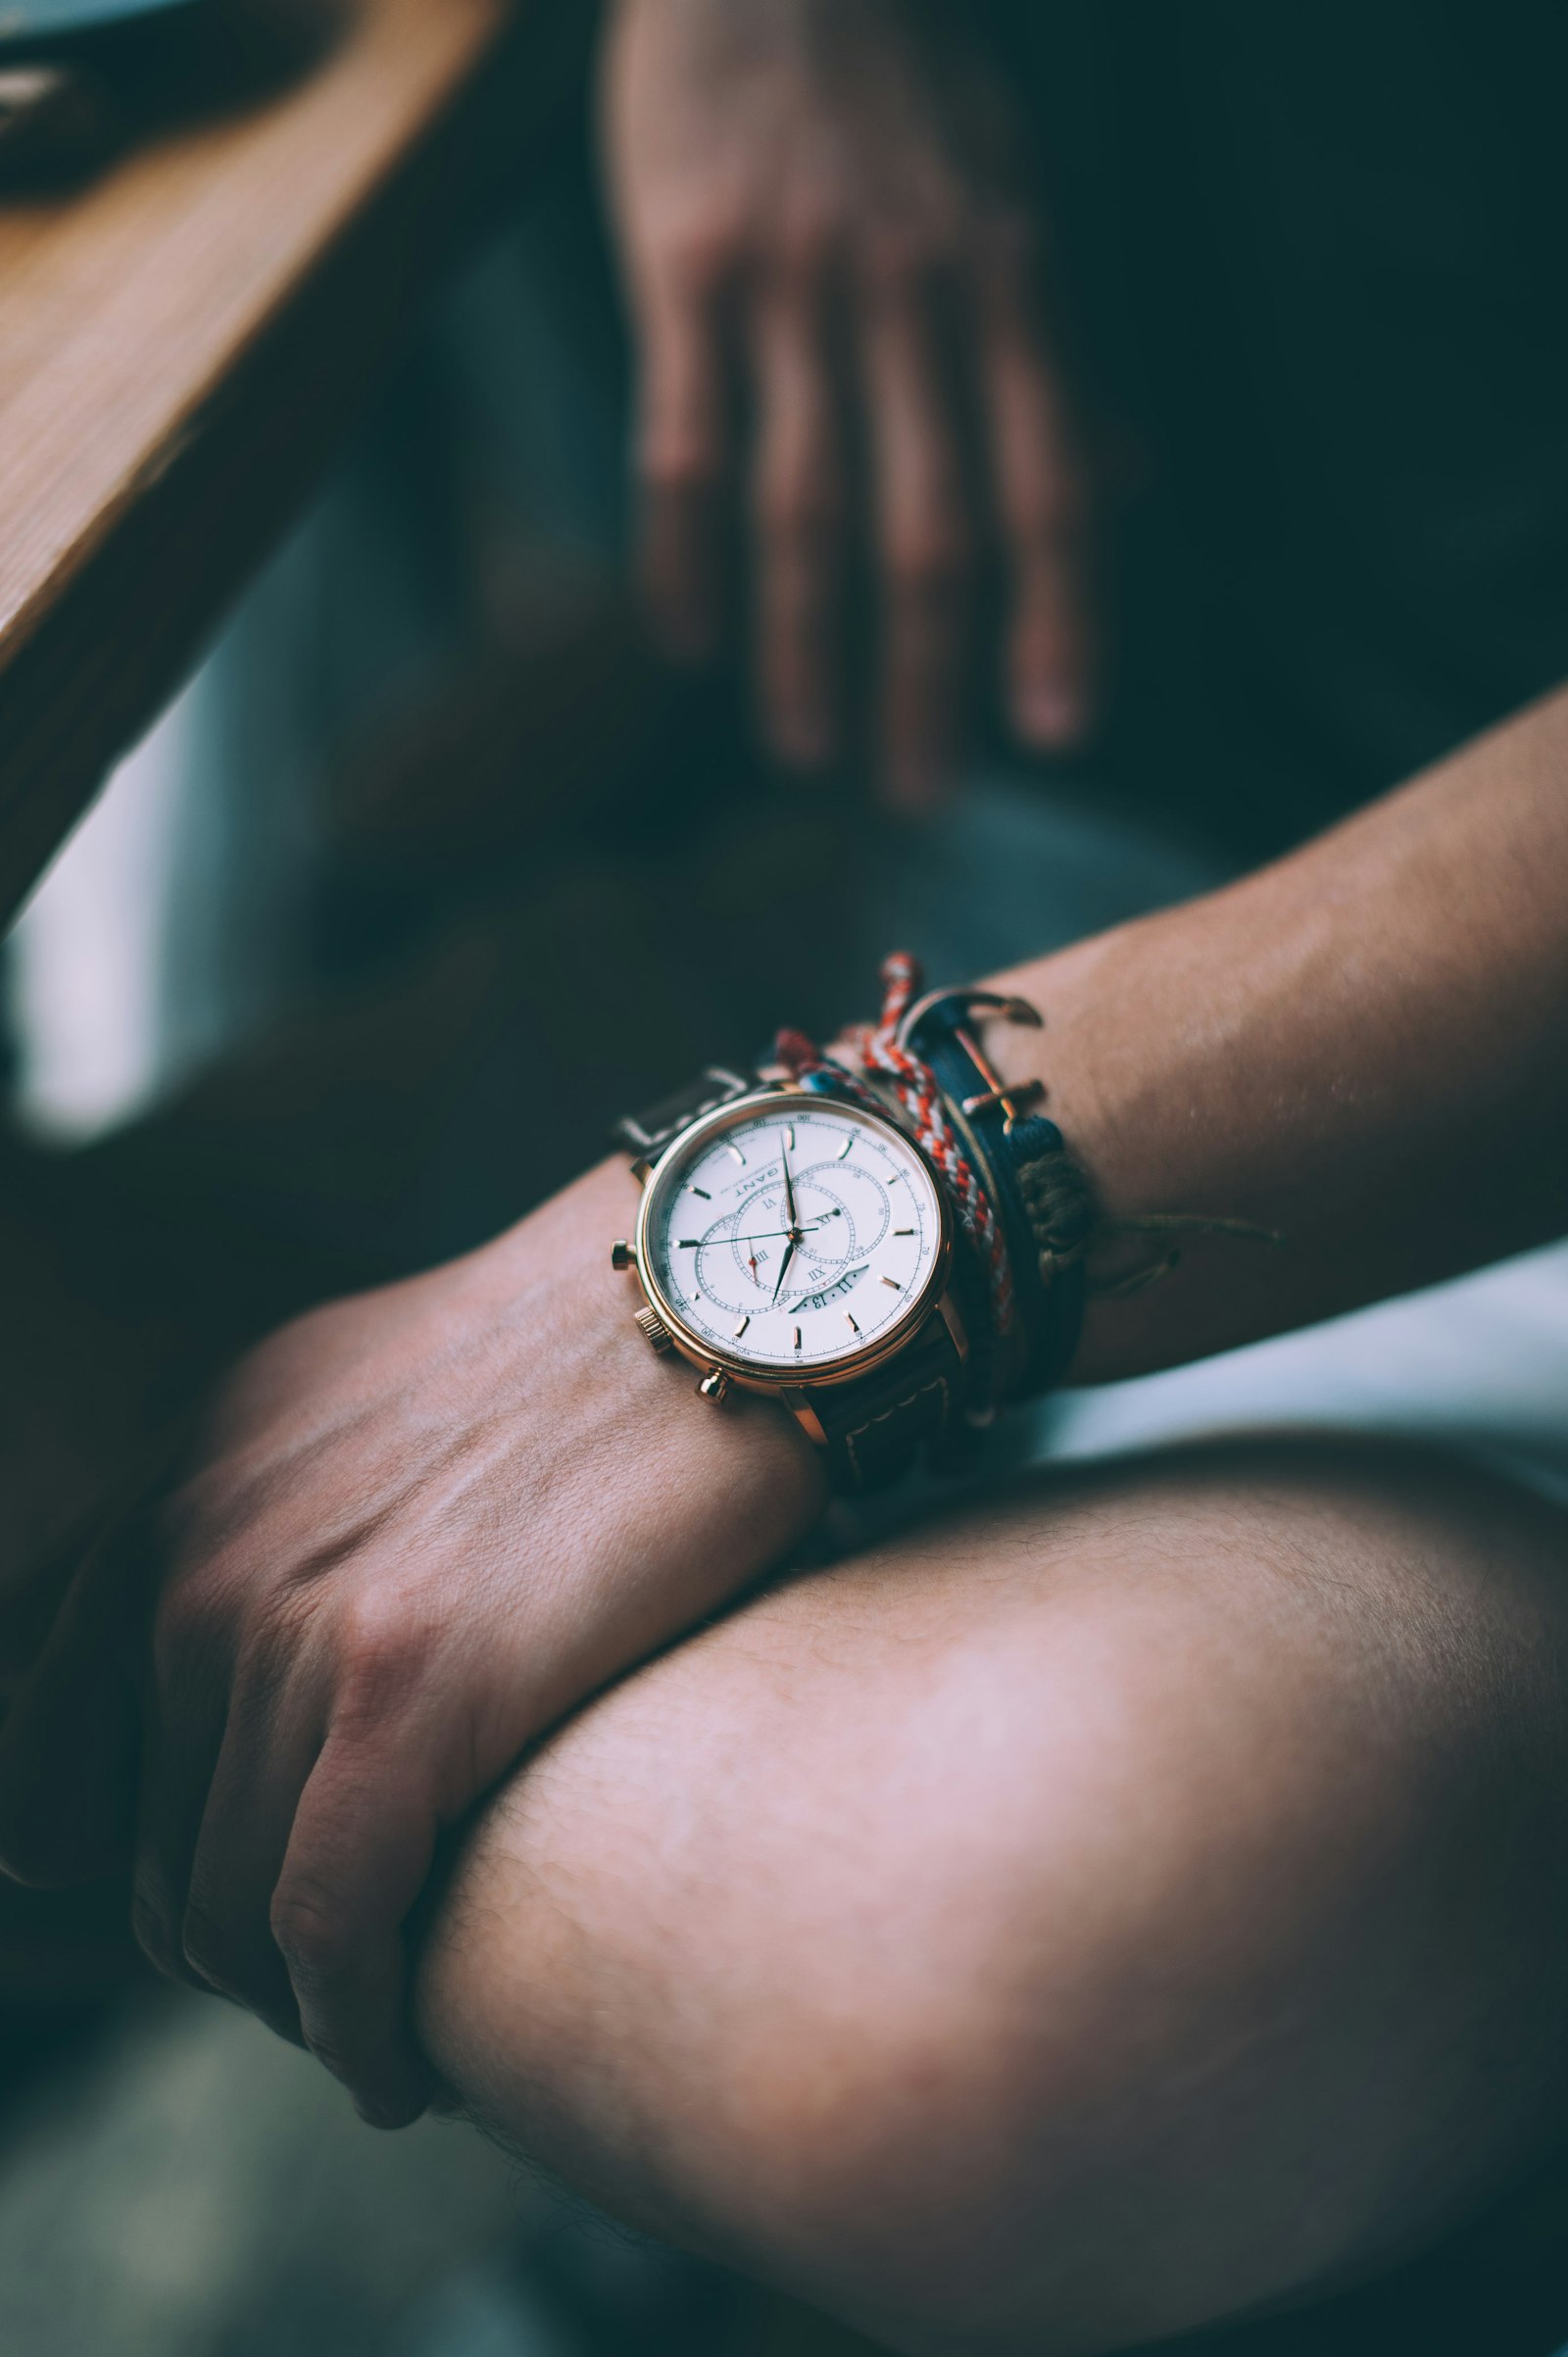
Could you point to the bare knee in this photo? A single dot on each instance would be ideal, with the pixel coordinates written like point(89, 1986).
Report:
point(1051, 1934)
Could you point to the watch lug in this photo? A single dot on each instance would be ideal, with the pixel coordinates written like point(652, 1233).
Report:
point(953, 1318)
point(799, 1404)
point(642, 1170)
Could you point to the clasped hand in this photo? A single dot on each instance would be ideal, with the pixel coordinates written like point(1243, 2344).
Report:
point(418, 1528)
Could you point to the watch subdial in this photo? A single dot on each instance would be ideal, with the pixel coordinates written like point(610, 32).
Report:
point(865, 1199)
point(746, 1259)
point(722, 1273)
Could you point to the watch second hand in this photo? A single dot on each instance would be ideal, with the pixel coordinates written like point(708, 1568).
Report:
point(765, 1235)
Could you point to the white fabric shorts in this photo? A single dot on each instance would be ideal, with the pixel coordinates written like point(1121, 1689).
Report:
point(1480, 1364)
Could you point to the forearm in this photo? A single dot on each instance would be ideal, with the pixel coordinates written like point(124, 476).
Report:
point(498, 1501)
point(826, 1943)
point(1364, 1048)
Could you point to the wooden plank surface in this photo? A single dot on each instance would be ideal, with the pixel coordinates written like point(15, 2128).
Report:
point(184, 341)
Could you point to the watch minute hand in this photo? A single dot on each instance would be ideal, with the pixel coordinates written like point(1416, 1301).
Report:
point(789, 1186)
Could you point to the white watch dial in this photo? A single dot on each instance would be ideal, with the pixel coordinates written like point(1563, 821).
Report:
point(793, 1237)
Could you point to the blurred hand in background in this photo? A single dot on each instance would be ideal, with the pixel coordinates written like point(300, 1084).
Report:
point(851, 427)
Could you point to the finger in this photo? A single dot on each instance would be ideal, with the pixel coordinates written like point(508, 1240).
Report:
point(204, 1707)
point(798, 507)
point(179, 1751)
point(271, 1746)
point(1041, 502)
point(683, 458)
point(359, 1853)
point(70, 1740)
point(925, 539)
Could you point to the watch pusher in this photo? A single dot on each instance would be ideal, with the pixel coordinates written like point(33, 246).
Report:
point(715, 1384)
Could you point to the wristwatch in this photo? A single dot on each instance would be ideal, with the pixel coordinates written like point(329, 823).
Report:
point(799, 1245)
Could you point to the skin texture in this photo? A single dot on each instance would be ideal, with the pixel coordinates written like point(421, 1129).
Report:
point(823, 224)
point(1363, 1047)
point(1118, 1906)
point(387, 1512)
point(420, 1527)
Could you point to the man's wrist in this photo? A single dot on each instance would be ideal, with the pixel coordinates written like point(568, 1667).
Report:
point(751, 1448)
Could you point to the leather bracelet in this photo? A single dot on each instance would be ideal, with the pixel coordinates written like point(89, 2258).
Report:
point(1020, 1196)
point(1041, 1196)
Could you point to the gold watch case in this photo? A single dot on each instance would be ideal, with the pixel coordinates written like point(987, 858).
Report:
point(723, 1369)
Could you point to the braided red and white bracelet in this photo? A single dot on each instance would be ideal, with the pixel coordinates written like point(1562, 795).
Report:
point(914, 1087)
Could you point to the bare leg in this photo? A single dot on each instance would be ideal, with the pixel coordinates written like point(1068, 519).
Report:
point(1107, 1911)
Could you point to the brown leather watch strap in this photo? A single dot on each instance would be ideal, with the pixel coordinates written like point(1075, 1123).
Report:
point(875, 1429)
point(645, 1135)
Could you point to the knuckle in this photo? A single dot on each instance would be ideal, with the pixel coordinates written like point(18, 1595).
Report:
point(187, 1622)
point(1053, 519)
point(383, 1642)
point(1048, 537)
point(806, 245)
point(675, 460)
point(199, 1521)
point(933, 564)
point(702, 249)
point(267, 1649)
point(903, 262)
point(311, 1932)
point(801, 519)
point(198, 1608)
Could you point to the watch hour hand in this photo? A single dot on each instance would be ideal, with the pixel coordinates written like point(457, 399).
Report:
point(784, 1266)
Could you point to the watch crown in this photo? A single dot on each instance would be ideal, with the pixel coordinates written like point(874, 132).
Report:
point(713, 1385)
point(622, 1254)
point(655, 1332)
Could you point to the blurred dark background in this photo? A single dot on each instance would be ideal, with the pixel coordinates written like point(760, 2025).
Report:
point(432, 840)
